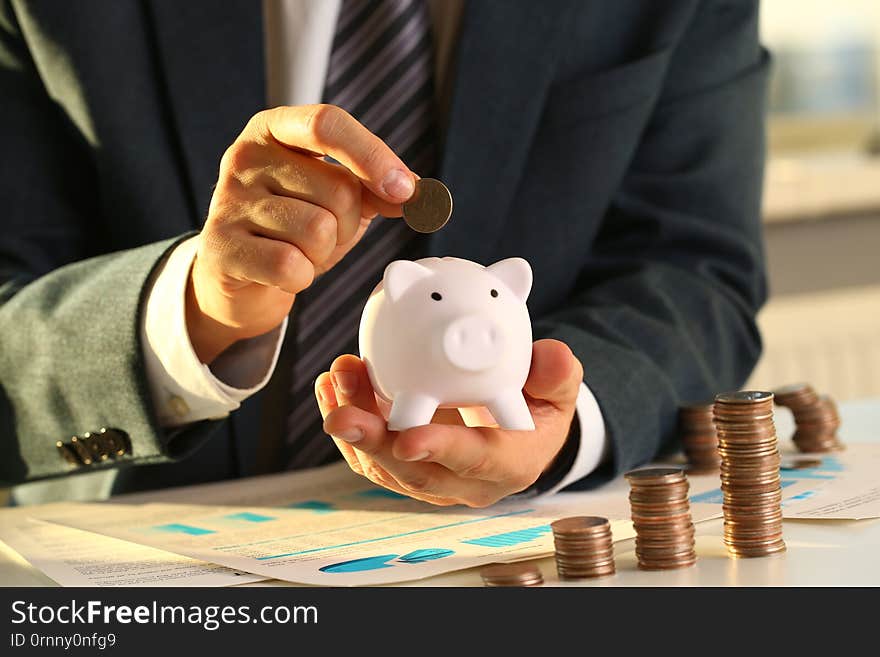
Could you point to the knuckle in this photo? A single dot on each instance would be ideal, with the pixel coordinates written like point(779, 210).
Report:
point(241, 155)
point(267, 208)
point(259, 120)
point(320, 229)
point(325, 123)
point(478, 469)
point(291, 175)
point(284, 260)
point(347, 192)
point(418, 483)
point(288, 266)
point(522, 480)
point(373, 153)
point(375, 474)
point(480, 499)
point(225, 209)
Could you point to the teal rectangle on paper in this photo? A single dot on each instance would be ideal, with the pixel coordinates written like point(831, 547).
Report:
point(177, 528)
point(247, 516)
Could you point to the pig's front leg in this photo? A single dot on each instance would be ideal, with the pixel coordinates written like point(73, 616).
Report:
point(511, 411)
point(411, 409)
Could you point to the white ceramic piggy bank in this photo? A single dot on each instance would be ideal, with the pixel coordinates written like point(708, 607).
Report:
point(446, 332)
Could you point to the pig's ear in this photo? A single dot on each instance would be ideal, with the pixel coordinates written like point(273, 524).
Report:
point(400, 275)
point(516, 274)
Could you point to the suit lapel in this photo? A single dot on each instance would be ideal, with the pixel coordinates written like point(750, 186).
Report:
point(505, 59)
point(211, 57)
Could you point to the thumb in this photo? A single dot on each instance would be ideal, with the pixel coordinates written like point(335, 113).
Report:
point(555, 375)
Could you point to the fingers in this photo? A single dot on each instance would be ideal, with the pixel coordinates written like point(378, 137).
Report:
point(455, 447)
point(445, 463)
point(269, 189)
point(324, 184)
point(252, 258)
point(327, 403)
point(555, 375)
point(371, 205)
point(352, 384)
point(330, 130)
point(366, 436)
point(309, 227)
point(474, 453)
point(359, 423)
point(360, 429)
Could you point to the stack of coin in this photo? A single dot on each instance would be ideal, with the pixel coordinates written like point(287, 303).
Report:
point(512, 574)
point(583, 547)
point(661, 515)
point(750, 479)
point(696, 430)
point(816, 419)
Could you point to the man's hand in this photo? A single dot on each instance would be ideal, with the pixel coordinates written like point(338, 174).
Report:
point(447, 463)
point(281, 215)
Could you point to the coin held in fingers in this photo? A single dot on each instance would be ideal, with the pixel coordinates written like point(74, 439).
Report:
point(430, 206)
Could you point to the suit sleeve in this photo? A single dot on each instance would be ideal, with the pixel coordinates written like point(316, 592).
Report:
point(665, 306)
point(70, 357)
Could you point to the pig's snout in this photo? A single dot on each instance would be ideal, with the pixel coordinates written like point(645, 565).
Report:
point(473, 343)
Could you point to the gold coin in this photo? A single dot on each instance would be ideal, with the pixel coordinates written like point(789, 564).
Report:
point(430, 206)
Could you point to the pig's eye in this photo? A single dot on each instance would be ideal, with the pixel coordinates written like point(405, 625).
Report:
point(494, 293)
point(436, 296)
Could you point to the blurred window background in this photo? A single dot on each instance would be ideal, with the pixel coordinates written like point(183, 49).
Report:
point(822, 197)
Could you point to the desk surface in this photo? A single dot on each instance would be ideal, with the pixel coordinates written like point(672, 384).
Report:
point(820, 552)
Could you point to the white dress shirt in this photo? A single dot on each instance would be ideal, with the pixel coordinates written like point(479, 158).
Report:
point(299, 37)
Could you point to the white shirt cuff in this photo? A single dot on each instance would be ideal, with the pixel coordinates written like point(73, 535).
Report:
point(593, 447)
point(184, 389)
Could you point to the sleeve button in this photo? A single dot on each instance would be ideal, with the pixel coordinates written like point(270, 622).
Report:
point(178, 406)
point(82, 451)
point(67, 453)
point(116, 441)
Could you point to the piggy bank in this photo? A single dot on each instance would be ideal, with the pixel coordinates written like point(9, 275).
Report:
point(450, 333)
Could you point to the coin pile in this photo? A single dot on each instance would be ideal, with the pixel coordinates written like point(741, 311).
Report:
point(816, 419)
point(512, 574)
point(750, 479)
point(583, 547)
point(696, 430)
point(661, 515)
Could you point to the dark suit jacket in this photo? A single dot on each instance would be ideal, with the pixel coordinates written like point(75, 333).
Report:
point(618, 146)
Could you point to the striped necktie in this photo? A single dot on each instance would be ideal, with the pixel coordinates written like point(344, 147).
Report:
point(381, 72)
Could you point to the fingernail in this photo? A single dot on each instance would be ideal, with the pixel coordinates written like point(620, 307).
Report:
point(398, 184)
point(349, 435)
point(421, 456)
point(323, 395)
point(345, 382)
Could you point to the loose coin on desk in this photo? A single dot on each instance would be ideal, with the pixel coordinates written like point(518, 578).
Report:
point(800, 464)
point(512, 574)
point(430, 206)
